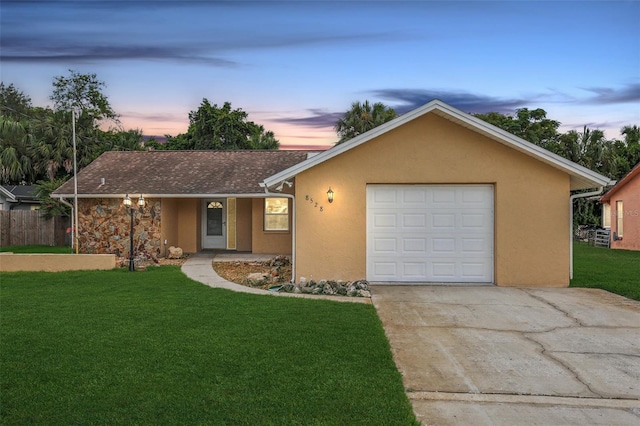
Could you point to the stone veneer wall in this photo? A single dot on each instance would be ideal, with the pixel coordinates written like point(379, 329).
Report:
point(105, 223)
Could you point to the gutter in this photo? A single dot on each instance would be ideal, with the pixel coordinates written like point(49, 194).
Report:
point(571, 198)
point(293, 227)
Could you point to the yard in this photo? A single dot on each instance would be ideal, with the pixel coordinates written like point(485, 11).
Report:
point(154, 347)
point(617, 271)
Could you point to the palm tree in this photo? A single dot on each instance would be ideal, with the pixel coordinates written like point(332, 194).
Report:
point(16, 165)
point(361, 118)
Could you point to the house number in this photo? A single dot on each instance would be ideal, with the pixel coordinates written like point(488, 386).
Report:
point(314, 203)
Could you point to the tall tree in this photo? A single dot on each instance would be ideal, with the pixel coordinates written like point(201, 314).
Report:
point(16, 160)
point(530, 125)
point(361, 118)
point(14, 104)
point(83, 92)
point(213, 127)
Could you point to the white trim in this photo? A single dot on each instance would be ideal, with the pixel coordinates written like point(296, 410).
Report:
point(8, 195)
point(582, 177)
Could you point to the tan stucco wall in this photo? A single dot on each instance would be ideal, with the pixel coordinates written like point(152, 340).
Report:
point(268, 241)
point(629, 194)
point(243, 224)
point(168, 227)
point(189, 228)
point(56, 262)
point(531, 201)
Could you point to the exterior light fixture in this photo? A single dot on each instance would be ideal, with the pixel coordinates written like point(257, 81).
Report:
point(129, 204)
point(330, 195)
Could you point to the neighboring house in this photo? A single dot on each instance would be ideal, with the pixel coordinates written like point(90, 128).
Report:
point(435, 195)
point(621, 211)
point(18, 197)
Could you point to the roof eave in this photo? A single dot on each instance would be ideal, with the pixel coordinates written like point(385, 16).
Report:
point(581, 177)
point(151, 195)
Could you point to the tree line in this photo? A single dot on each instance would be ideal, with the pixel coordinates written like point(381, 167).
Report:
point(36, 142)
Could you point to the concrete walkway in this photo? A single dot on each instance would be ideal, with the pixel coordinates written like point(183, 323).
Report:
point(199, 267)
point(509, 356)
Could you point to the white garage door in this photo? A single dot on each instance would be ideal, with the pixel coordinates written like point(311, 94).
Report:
point(430, 233)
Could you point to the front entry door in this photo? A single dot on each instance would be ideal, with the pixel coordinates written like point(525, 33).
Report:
point(214, 228)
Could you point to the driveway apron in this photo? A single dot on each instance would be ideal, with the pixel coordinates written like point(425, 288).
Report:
point(487, 355)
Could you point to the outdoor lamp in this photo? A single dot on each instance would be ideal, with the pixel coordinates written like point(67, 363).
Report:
point(330, 195)
point(129, 204)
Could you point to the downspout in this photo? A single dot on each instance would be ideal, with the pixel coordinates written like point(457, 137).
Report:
point(293, 226)
point(571, 198)
point(66, 203)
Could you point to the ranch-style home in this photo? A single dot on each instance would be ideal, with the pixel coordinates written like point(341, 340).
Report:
point(434, 196)
point(621, 211)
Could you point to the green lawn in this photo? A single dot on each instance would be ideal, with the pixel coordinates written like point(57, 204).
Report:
point(38, 249)
point(154, 347)
point(617, 271)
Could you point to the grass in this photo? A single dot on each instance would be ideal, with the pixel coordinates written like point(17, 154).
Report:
point(617, 271)
point(154, 347)
point(38, 249)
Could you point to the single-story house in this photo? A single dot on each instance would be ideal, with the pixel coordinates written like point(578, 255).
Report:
point(621, 211)
point(435, 195)
point(18, 197)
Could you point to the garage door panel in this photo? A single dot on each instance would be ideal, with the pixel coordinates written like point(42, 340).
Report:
point(414, 246)
point(437, 233)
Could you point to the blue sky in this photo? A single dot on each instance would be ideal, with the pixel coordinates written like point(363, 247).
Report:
point(296, 66)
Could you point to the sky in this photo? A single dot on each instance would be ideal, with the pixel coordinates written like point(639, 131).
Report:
point(297, 66)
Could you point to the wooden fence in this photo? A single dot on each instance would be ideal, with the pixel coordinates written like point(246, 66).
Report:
point(28, 227)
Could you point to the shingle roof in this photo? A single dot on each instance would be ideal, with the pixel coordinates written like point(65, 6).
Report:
point(23, 193)
point(180, 172)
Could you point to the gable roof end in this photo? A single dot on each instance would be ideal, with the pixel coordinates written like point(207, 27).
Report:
point(581, 177)
point(625, 180)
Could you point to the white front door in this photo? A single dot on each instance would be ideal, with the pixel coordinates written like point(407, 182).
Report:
point(430, 233)
point(214, 226)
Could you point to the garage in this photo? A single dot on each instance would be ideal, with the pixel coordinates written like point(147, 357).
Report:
point(430, 233)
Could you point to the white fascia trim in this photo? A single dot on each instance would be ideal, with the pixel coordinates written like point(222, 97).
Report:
point(8, 195)
point(479, 125)
point(145, 195)
point(352, 143)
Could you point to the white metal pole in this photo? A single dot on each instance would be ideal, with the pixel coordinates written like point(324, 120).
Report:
point(75, 182)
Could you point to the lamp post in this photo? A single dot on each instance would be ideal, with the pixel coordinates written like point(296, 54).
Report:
point(129, 204)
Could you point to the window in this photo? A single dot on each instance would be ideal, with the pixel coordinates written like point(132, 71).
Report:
point(276, 214)
point(606, 215)
point(619, 217)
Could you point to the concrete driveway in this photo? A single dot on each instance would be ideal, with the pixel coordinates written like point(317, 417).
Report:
point(486, 355)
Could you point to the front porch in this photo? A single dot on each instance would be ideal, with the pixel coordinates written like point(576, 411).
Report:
point(223, 224)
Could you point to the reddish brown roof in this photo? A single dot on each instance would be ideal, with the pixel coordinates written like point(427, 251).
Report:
point(622, 182)
point(180, 172)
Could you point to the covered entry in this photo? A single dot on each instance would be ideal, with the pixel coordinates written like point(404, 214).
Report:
point(430, 233)
point(214, 229)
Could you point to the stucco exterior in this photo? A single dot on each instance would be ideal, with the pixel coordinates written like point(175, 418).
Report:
point(629, 195)
point(10, 262)
point(165, 222)
point(531, 222)
point(276, 242)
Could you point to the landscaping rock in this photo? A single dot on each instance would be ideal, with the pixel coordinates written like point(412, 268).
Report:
point(257, 279)
point(175, 253)
point(359, 288)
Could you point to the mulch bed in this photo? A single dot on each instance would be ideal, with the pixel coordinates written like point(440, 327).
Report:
point(237, 271)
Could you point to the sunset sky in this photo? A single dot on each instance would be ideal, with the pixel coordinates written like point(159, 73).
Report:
point(296, 66)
